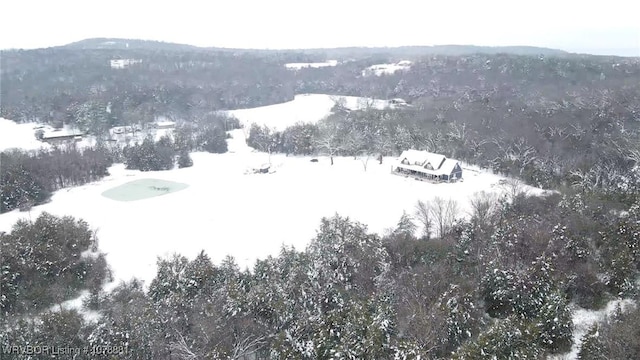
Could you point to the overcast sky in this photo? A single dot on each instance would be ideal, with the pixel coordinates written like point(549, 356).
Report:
point(600, 27)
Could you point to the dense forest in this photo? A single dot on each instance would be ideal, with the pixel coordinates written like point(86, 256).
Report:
point(499, 284)
point(59, 85)
point(29, 178)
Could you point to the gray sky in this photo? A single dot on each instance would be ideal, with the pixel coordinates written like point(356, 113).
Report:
point(599, 27)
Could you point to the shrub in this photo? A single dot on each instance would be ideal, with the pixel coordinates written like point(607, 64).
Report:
point(511, 338)
point(184, 159)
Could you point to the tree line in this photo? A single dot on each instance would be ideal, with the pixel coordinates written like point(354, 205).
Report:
point(28, 178)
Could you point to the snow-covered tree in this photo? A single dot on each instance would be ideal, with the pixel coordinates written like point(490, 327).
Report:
point(92, 116)
point(328, 140)
point(510, 338)
point(405, 226)
point(591, 347)
point(184, 159)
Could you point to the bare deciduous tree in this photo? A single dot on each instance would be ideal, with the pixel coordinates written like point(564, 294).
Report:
point(457, 131)
point(483, 206)
point(328, 139)
point(182, 350)
point(513, 188)
point(438, 212)
point(442, 213)
point(423, 215)
point(246, 347)
point(383, 144)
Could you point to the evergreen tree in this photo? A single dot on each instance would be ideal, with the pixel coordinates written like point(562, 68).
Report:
point(184, 159)
point(510, 338)
point(212, 139)
point(591, 348)
point(42, 263)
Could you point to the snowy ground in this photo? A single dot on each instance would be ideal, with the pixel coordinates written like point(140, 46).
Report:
point(583, 319)
point(298, 66)
point(14, 135)
point(227, 211)
point(387, 69)
point(303, 108)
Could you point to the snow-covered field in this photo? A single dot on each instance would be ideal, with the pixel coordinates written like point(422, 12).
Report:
point(298, 66)
point(22, 136)
point(14, 135)
point(226, 211)
point(386, 69)
point(303, 108)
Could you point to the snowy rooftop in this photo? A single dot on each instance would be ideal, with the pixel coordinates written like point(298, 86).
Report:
point(52, 134)
point(418, 160)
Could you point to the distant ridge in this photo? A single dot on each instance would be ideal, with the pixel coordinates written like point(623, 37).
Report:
point(448, 50)
point(123, 44)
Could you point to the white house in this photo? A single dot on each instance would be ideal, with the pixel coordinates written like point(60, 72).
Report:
point(428, 165)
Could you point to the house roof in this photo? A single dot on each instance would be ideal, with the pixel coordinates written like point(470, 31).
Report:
point(419, 159)
point(422, 158)
point(61, 133)
point(448, 166)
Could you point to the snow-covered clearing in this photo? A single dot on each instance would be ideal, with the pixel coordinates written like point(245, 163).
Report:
point(583, 319)
point(387, 69)
point(14, 135)
point(226, 211)
point(298, 66)
point(308, 108)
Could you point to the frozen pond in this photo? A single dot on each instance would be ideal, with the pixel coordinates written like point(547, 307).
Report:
point(143, 189)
